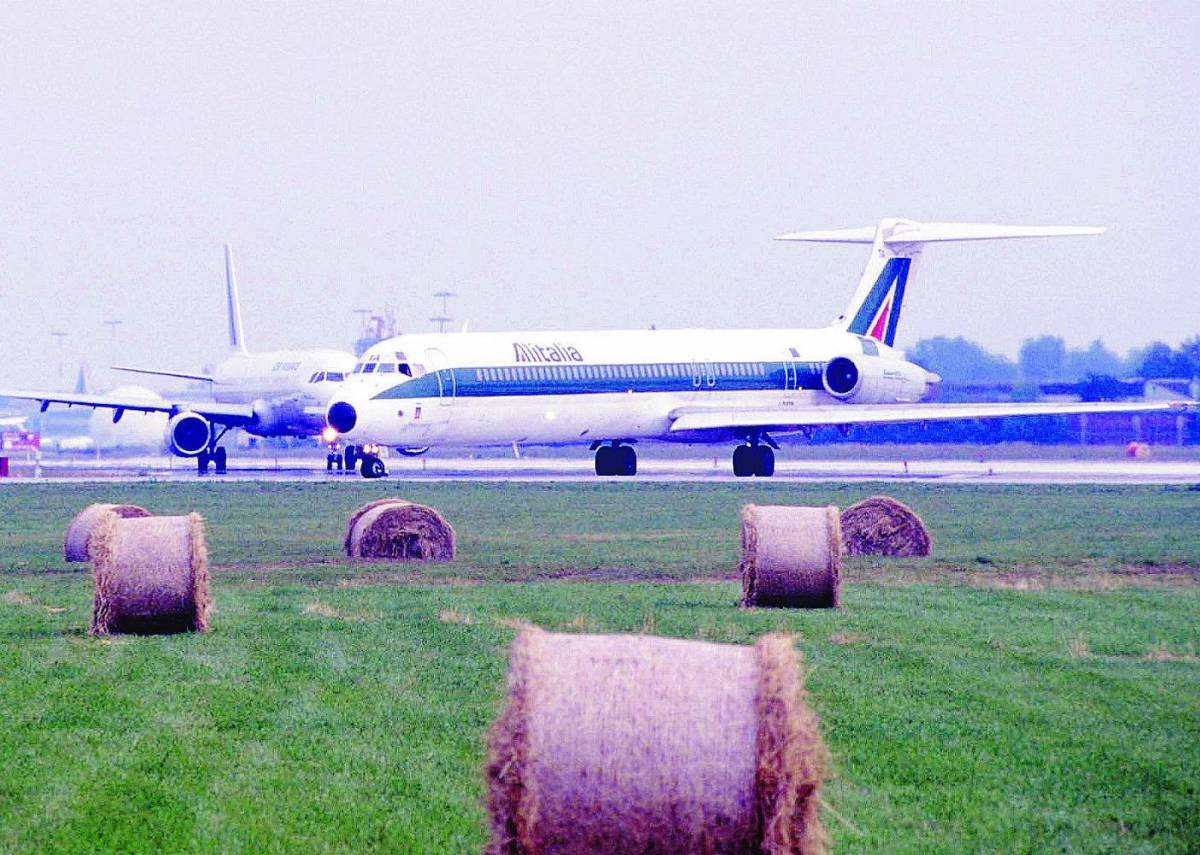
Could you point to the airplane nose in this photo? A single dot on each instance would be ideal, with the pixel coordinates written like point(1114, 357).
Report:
point(342, 417)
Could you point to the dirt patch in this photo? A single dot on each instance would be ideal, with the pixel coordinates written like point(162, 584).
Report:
point(847, 638)
point(1085, 576)
point(1077, 648)
point(626, 537)
point(319, 609)
point(455, 616)
point(16, 598)
point(1182, 570)
point(1161, 653)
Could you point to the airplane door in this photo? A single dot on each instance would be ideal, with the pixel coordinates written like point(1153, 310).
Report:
point(437, 362)
point(791, 379)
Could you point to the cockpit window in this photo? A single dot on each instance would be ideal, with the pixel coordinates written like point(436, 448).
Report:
point(369, 368)
point(386, 368)
point(418, 370)
point(358, 369)
point(317, 377)
point(405, 369)
point(335, 376)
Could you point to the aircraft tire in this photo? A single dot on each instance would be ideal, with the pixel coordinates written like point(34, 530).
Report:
point(372, 467)
point(220, 460)
point(606, 462)
point(743, 461)
point(626, 459)
point(350, 458)
point(764, 461)
point(202, 463)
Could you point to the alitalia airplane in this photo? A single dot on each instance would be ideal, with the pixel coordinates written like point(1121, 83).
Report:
point(609, 390)
point(276, 393)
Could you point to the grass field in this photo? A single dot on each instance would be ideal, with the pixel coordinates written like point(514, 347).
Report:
point(1033, 687)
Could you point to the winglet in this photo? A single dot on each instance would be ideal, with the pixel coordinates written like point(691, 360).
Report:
point(237, 339)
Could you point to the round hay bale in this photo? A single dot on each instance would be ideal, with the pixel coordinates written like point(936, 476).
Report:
point(882, 526)
point(791, 557)
point(632, 744)
point(150, 575)
point(396, 530)
point(75, 543)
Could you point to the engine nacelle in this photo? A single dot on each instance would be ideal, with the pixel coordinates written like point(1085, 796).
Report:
point(875, 380)
point(412, 451)
point(188, 433)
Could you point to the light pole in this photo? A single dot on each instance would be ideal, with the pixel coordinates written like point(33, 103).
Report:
point(112, 340)
point(444, 318)
point(59, 337)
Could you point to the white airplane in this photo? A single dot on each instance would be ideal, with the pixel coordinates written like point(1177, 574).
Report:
point(610, 389)
point(278, 393)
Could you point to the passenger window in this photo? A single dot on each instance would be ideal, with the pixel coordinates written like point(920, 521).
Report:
point(478, 374)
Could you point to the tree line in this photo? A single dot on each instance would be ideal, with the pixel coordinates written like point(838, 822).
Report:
point(1047, 359)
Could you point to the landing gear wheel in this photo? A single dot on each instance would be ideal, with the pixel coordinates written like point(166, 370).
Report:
point(606, 460)
point(626, 461)
point(333, 461)
point(220, 460)
point(202, 463)
point(764, 461)
point(743, 461)
point(372, 467)
point(350, 458)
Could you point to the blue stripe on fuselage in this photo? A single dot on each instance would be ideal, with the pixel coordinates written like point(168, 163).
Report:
point(641, 377)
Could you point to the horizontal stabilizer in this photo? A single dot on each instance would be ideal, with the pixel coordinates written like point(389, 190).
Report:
point(906, 231)
point(181, 375)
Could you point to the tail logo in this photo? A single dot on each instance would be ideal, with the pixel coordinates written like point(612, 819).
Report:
point(879, 313)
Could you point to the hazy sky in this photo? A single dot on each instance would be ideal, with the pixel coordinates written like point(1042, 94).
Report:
point(584, 165)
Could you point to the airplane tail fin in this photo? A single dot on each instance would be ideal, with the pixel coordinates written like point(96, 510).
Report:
point(237, 339)
point(874, 310)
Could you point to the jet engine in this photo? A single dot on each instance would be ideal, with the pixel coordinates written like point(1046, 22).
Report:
point(875, 380)
point(188, 433)
point(275, 418)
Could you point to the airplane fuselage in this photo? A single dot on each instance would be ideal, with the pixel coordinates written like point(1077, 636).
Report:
point(584, 387)
point(287, 388)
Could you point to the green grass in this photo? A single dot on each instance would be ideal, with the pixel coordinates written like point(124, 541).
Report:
point(1033, 687)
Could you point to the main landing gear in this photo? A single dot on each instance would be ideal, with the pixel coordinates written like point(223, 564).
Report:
point(755, 459)
point(214, 454)
point(615, 459)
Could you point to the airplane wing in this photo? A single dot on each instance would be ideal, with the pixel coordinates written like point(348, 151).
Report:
point(181, 375)
point(233, 415)
point(784, 419)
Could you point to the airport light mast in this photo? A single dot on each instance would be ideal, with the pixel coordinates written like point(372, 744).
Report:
point(444, 318)
point(112, 340)
point(59, 337)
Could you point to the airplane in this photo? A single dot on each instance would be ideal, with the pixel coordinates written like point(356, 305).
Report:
point(610, 389)
point(276, 393)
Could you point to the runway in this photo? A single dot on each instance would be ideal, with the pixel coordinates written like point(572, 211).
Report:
point(579, 469)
